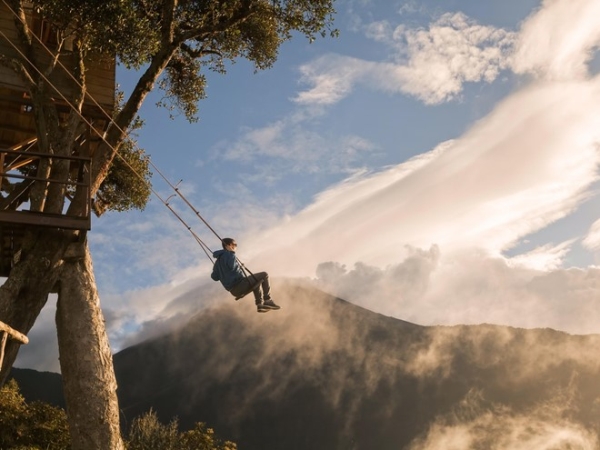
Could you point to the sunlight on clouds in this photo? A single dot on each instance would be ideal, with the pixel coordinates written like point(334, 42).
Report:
point(527, 164)
point(557, 42)
point(543, 428)
point(546, 257)
point(434, 63)
point(429, 287)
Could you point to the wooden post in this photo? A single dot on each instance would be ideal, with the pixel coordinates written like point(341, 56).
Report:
point(3, 345)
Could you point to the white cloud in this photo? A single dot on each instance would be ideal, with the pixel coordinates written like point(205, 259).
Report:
point(432, 288)
point(592, 240)
point(431, 64)
point(546, 257)
point(526, 165)
point(435, 63)
point(557, 42)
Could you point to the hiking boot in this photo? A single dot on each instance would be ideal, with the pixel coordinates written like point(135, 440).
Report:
point(262, 308)
point(270, 304)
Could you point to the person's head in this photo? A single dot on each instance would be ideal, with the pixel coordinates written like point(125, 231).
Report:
point(229, 244)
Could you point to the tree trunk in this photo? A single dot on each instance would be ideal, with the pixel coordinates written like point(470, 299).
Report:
point(85, 357)
point(25, 292)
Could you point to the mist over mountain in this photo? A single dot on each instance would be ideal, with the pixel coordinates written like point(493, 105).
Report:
point(322, 373)
point(325, 374)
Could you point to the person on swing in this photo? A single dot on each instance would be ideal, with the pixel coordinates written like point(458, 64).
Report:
point(228, 271)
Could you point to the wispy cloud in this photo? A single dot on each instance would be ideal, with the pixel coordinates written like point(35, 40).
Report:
point(293, 144)
point(523, 167)
point(558, 41)
point(592, 240)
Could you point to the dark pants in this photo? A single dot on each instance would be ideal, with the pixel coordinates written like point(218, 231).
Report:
point(253, 283)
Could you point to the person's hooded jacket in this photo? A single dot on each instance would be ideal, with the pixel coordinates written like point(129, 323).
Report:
point(227, 270)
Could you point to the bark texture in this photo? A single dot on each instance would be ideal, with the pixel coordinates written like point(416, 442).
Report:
point(25, 292)
point(85, 357)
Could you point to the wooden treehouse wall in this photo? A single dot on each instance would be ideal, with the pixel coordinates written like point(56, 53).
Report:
point(18, 132)
point(100, 76)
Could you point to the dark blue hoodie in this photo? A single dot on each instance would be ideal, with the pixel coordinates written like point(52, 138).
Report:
point(226, 269)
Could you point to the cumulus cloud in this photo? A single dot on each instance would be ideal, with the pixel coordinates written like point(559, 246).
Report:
point(470, 288)
point(431, 64)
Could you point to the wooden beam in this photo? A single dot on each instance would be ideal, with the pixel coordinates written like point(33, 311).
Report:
point(14, 334)
point(41, 219)
point(25, 143)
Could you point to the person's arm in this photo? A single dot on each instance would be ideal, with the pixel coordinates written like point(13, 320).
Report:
point(215, 273)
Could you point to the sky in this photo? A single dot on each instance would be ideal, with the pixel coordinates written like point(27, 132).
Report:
point(438, 163)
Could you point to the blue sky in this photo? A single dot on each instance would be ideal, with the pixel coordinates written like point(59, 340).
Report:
point(438, 162)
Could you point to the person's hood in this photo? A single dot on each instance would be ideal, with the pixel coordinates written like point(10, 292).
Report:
point(220, 252)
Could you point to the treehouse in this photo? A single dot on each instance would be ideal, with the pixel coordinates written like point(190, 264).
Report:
point(25, 168)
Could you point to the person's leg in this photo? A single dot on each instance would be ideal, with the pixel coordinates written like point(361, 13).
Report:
point(266, 287)
point(244, 287)
point(240, 289)
point(262, 278)
point(258, 280)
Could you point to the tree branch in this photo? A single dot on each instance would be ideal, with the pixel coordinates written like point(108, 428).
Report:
point(17, 66)
point(21, 23)
point(198, 53)
point(118, 128)
point(168, 22)
point(201, 33)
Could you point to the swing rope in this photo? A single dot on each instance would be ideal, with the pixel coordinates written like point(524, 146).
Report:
point(100, 134)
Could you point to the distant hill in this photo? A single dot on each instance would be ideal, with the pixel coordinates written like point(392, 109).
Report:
point(42, 386)
point(322, 373)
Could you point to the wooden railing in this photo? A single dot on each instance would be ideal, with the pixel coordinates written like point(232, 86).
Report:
point(12, 159)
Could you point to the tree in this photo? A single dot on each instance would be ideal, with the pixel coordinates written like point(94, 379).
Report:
point(172, 43)
point(147, 433)
point(30, 425)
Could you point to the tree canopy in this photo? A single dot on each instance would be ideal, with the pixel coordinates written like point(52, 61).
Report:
point(195, 35)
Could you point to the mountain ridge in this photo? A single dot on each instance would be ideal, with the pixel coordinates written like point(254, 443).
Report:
point(323, 373)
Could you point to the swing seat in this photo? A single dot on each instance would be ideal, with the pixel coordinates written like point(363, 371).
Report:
point(250, 288)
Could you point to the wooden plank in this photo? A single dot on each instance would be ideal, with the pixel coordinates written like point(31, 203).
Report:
point(14, 334)
point(46, 220)
point(49, 180)
point(84, 159)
